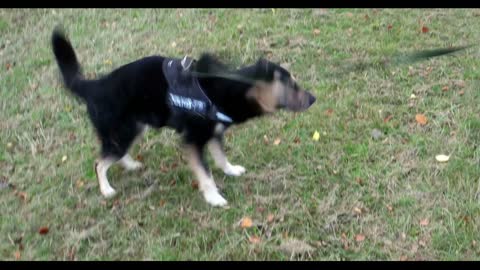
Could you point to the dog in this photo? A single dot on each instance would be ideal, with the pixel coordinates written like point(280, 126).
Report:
point(141, 94)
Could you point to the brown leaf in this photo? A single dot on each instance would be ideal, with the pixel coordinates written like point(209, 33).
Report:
point(43, 230)
point(403, 258)
point(246, 222)
point(329, 112)
point(316, 31)
point(461, 92)
point(277, 141)
point(162, 203)
point(270, 218)
point(357, 210)
point(359, 237)
point(349, 14)
point(390, 208)
point(254, 239)
point(195, 184)
point(425, 29)
point(424, 222)
point(8, 66)
point(296, 140)
point(22, 195)
point(389, 27)
point(445, 88)
point(387, 118)
point(421, 119)
point(79, 183)
point(17, 255)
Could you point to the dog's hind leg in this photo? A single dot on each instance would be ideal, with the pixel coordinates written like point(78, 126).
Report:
point(127, 162)
point(115, 143)
point(206, 184)
point(218, 153)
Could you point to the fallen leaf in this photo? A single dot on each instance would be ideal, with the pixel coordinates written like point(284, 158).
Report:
point(246, 222)
point(421, 119)
point(316, 31)
point(424, 222)
point(296, 140)
point(265, 139)
point(22, 195)
point(316, 136)
point(389, 27)
point(389, 208)
point(357, 210)
point(442, 158)
point(64, 158)
point(403, 258)
point(8, 66)
point(425, 29)
point(445, 88)
point(387, 118)
point(108, 62)
point(9, 145)
point(254, 239)
point(17, 255)
point(174, 44)
point(359, 237)
point(277, 141)
point(349, 14)
point(412, 96)
point(79, 183)
point(195, 184)
point(461, 92)
point(366, 17)
point(162, 203)
point(43, 230)
point(329, 112)
point(270, 218)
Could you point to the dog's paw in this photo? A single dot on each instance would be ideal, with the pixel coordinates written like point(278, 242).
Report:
point(213, 198)
point(108, 192)
point(234, 170)
point(134, 165)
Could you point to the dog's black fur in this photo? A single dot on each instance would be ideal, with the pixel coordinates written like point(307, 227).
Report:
point(121, 103)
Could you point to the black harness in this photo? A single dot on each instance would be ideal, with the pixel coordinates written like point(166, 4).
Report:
point(185, 96)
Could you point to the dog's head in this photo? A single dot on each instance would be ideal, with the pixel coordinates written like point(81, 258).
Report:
point(272, 86)
point(276, 88)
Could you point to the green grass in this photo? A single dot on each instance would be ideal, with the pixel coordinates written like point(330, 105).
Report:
point(322, 193)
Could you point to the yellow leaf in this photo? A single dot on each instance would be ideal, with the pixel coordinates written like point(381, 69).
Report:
point(64, 158)
point(316, 136)
point(277, 141)
point(442, 158)
point(421, 119)
point(246, 222)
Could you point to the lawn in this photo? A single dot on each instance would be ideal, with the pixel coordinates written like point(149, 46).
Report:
point(346, 196)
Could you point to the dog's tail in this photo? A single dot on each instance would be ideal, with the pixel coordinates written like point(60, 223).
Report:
point(67, 62)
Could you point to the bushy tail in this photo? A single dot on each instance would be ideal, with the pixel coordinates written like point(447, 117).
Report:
point(67, 62)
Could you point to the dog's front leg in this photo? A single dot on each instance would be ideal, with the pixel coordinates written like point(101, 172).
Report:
point(221, 160)
point(206, 184)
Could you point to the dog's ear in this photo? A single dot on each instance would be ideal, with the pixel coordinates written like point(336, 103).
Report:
point(209, 64)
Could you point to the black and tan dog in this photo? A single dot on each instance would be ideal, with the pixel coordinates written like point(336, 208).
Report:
point(139, 94)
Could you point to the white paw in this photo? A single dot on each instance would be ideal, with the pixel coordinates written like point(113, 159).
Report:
point(108, 192)
point(133, 165)
point(213, 198)
point(234, 170)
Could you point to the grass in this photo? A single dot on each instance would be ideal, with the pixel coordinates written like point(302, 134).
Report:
point(324, 194)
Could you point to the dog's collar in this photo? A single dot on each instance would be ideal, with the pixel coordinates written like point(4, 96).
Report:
point(185, 95)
